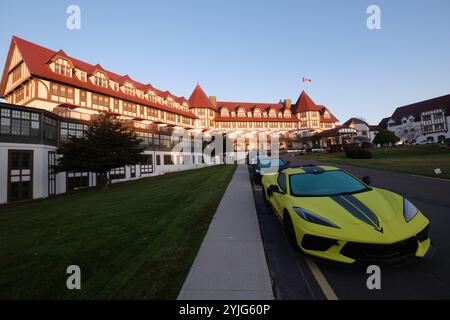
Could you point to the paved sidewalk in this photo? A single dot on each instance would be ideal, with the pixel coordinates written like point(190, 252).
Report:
point(231, 263)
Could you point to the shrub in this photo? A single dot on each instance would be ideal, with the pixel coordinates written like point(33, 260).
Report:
point(366, 144)
point(358, 153)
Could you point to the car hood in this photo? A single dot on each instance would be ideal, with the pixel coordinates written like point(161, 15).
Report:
point(375, 206)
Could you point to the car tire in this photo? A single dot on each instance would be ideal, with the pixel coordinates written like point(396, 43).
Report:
point(266, 201)
point(290, 231)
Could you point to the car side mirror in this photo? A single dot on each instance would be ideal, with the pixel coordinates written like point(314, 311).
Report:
point(366, 180)
point(273, 189)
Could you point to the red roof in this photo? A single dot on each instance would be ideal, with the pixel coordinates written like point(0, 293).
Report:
point(305, 103)
point(332, 118)
point(36, 58)
point(199, 99)
point(250, 106)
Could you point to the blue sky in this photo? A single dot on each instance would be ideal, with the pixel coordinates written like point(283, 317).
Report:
point(256, 50)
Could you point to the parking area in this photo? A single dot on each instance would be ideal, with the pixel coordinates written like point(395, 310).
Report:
point(296, 276)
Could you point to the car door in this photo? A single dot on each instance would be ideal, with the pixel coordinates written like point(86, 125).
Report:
point(279, 196)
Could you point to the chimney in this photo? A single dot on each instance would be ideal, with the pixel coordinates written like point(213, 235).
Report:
point(213, 100)
point(288, 104)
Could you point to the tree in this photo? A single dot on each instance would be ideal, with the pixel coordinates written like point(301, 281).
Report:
point(107, 144)
point(385, 137)
point(409, 132)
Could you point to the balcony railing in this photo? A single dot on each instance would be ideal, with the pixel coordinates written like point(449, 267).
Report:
point(67, 113)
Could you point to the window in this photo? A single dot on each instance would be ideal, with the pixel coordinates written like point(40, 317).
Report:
point(168, 159)
point(83, 96)
point(426, 117)
point(100, 80)
point(165, 142)
point(61, 91)
point(117, 173)
point(76, 180)
point(129, 108)
point(72, 129)
point(171, 117)
point(17, 72)
point(129, 89)
point(146, 137)
point(116, 106)
point(100, 101)
point(50, 128)
point(439, 127)
point(438, 117)
point(158, 160)
point(282, 181)
point(51, 173)
point(62, 69)
point(19, 123)
point(147, 166)
point(152, 113)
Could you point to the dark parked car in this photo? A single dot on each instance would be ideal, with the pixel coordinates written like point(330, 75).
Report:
point(267, 166)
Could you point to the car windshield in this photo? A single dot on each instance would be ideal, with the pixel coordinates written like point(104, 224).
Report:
point(326, 183)
point(267, 163)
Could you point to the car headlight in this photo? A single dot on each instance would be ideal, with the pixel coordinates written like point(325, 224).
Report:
point(409, 210)
point(314, 218)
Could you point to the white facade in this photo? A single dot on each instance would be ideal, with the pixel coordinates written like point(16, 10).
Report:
point(40, 169)
point(423, 131)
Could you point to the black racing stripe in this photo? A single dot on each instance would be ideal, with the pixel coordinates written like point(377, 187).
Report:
point(313, 169)
point(352, 209)
point(361, 206)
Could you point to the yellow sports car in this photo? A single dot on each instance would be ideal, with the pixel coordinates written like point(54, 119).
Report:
point(331, 214)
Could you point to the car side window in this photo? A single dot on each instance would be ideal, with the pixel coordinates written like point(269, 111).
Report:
point(282, 181)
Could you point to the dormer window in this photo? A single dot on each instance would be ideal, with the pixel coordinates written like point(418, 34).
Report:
point(224, 112)
point(100, 79)
point(326, 115)
point(83, 76)
point(241, 112)
point(63, 67)
point(129, 89)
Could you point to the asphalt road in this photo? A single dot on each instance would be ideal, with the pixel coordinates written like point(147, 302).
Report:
point(292, 276)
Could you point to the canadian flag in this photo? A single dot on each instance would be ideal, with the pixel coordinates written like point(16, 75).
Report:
point(306, 79)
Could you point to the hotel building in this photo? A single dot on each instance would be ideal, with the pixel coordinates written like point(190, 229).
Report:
point(51, 95)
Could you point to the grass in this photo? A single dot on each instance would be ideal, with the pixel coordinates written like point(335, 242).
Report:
point(419, 159)
point(136, 240)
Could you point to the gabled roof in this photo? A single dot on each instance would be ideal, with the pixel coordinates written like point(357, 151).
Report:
point(354, 120)
point(199, 99)
point(304, 103)
point(60, 54)
point(383, 123)
point(36, 59)
point(332, 118)
point(415, 109)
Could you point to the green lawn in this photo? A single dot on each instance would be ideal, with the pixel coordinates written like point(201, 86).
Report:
point(420, 159)
point(136, 240)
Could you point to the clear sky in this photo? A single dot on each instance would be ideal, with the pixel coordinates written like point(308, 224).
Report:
point(244, 50)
